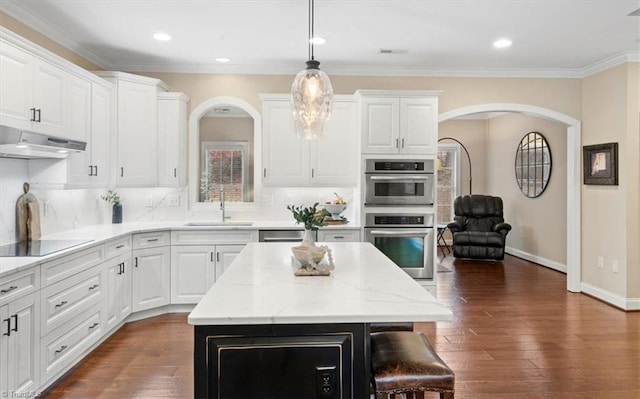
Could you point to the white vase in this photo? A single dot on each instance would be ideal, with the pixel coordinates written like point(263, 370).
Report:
point(309, 238)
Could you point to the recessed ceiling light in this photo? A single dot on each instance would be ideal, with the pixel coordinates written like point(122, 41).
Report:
point(223, 59)
point(502, 43)
point(161, 37)
point(317, 40)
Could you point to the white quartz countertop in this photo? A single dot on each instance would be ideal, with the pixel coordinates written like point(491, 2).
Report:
point(98, 234)
point(259, 287)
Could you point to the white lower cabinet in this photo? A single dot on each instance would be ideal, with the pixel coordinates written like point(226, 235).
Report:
point(151, 278)
point(118, 292)
point(192, 272)
point(201, 258)
point(339, 235)
point(19, 342)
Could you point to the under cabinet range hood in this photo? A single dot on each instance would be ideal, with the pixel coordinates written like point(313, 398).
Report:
point(23, 144)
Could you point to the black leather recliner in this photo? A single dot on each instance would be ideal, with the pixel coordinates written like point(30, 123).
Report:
point(479, 230)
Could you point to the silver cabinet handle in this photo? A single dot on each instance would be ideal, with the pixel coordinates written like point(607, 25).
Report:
point(13, 287)
point(397, 144)
point(399, 179)
point(120, 246)
point(217, 256)
point(402, 143)
point(61, 304)
point(62, 348)
point(93, 287)
point(94, 325)
point(339, 237)
point(152, 239)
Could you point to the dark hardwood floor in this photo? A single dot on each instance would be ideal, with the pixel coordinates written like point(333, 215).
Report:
point(516, 334)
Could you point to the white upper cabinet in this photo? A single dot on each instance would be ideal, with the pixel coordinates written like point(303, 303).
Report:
point(136, 122)
point(399, 122)
point(289, 161)
point(32, 92)
point(172, 139)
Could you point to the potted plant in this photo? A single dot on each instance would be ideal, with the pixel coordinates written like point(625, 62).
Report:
point(114, 199)
point(311, 217)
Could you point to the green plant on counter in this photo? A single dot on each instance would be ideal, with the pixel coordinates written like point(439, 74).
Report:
point(112, 197)
point(310, 216)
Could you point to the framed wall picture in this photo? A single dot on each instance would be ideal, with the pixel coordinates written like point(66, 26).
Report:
point(600, 164)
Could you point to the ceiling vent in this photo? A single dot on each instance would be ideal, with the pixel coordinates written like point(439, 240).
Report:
point(392, 51)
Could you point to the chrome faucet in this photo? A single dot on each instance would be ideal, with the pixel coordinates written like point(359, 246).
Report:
point(222, 203)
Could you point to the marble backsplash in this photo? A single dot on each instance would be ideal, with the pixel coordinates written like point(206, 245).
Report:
point(63, 210)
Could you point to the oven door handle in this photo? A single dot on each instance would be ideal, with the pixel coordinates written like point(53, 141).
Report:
point(399, 233)
point(399, 178)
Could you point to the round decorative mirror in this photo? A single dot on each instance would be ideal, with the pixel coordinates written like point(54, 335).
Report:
point(533, 164)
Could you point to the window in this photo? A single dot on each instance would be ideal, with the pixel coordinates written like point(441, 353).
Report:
point(224, 167)
point(448, 181)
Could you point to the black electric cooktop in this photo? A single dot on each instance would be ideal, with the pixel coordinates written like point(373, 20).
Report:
point(38, 247)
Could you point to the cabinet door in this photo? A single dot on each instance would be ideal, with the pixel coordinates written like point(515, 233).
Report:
point(49, 97)
point(285, 157)
point(23, 352)
point(118, 298)
point(192, 272)
point(100, 145)
point(78, 127)
point(137, 135)
point(172, 141)
point(334, 157)
point(151, 278)
point(380, 125)
point(16, 87)
point(4, 347)
point(225, 254)
point(418, 125)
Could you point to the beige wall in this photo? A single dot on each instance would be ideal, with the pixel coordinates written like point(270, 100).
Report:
point(473, 134)
point(230, 129)
point(43, 41)
point(539, 224)
point(605, 208)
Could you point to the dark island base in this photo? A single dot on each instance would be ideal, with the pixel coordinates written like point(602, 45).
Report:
point(282, 361)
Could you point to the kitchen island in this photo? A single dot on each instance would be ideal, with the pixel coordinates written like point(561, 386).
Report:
point(260, 331)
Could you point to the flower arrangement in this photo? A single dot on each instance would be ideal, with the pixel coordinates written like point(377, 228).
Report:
point(310, 216)
point(112, 197)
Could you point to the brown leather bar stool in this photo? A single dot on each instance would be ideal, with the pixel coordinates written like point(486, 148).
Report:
point(403, 362)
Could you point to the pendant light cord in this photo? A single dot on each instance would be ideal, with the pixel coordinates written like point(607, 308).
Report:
point(310, 32)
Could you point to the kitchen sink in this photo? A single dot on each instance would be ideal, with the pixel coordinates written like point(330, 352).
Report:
point(218, 224)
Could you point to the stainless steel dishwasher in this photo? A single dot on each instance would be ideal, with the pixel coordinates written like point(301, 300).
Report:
point(283, 235)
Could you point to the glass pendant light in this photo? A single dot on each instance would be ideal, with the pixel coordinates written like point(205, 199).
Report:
point(311, 94)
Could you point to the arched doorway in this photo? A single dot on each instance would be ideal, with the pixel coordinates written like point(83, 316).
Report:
point(194, 149)
point(573, 172)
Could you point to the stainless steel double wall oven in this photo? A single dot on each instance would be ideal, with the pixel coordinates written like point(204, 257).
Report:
point(398, 212)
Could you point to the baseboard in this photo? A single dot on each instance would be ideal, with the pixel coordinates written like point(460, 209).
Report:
point(145, 314)
point(611, 298)
point(551, 264)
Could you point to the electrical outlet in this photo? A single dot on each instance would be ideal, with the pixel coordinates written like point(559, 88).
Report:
point(615, 267)
point(148, 201)
point(326, 386)
point(46, 209)
point(173, 200)
point(600, 263)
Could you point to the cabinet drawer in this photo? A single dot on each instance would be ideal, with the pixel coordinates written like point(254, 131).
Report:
point(59, 269)
point(150, 240)
point(117, 247)
point(213, 237)
point(338, 236)
point(60, 349)
point(19, 284)
point(63, 301)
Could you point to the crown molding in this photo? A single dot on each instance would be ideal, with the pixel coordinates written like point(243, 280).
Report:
point(610, 62)
point(14, 10)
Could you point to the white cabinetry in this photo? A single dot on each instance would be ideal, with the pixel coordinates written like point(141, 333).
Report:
point(92, 167)
point(198, 258)
point(118, 299)
point(399, 122)
point(136, 122)
point(172, 139)
point(19, 342)
point(289, 161)
point(151, 271)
